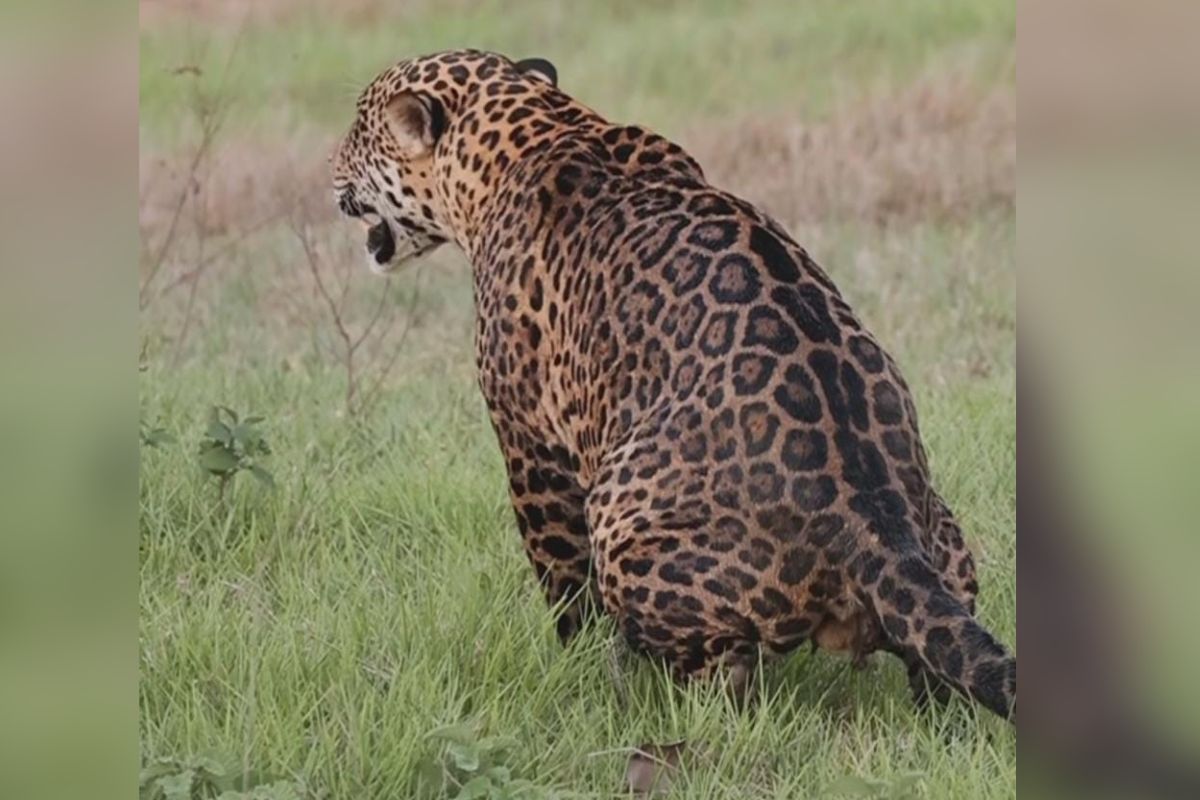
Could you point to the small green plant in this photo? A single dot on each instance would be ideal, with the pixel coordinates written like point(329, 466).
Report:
point(232, 445)
point(472, 768)
point(206, 778)
point(154, 437)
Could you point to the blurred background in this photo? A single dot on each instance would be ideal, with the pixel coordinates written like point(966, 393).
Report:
point(882, 134)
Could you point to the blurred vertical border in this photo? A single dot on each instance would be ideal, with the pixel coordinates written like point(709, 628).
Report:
point(1109, 397)
point(68, 559)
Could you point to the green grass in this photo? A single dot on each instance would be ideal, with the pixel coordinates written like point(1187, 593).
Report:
point(662, 64)
point(321, 631)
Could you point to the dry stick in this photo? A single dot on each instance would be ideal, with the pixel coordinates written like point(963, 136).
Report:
point(353, 348)
point(176, 214)
point(218, 253)
point(211, 120)
point(350, 344)
point(189, 309)
point(372, 394)
point(310, 256)
point(200, 220)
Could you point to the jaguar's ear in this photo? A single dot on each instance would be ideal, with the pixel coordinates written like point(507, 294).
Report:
point(415, 120)
point(539, 68)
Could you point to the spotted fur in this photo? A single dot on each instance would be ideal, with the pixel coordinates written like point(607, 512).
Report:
point(701, 437)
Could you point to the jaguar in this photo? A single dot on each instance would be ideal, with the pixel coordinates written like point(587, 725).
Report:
point(702, 440)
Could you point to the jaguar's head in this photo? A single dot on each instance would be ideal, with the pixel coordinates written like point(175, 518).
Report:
point(386, 169)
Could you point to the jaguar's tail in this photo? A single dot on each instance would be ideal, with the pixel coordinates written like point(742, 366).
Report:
point(924, 622)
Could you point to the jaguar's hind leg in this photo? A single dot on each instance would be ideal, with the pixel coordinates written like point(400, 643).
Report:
point(549, 506)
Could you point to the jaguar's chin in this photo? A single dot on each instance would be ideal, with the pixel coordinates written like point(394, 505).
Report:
point(385, 254)
point(381, 246)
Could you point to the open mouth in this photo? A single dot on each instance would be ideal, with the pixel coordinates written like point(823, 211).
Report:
point(380, 243)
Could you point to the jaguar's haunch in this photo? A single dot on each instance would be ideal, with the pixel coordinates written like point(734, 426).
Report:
point(701, 437)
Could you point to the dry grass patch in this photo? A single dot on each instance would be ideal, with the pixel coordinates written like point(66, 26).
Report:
point(243, 183)
point(232, 13)
point(940, 149)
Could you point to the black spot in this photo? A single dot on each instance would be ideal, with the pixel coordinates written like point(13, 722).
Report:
point(825, 365)
point(806, 305)
point(795, 626)
point(717, 338)
point(664, 599)
point(694, 446)
point(796, 566)
point(751, 372)
point(709, 205)
point(897, 629)
point(773, 603)
point(872, 566)
point(735, 280)
point(567, 179)
point(815, 493)
point(715, 235)
point(727, 486)
point(759, 426)
point(822, 528)
point(757, 559)
point(743, 578)
point(666, 234)
point(856, 396)
point(797, 394)
point(686, 376)
point(939, 641)
point(774, 255)
point(559, 548)
point(640, 566)
point(914, 570)
point(863, 466)
point(766, 484)
point(805, 449)
point(686, 270)
point(724, 441)
point(889, 408)
point(767, 327)
point(904, 602)
point(671, 573)
point(519, 113)
point(898, 444)
point(941, 604)
point(688, 319)
point(535, 517)
point(655, 631)
point(885, 512)
point(721, 589)
point(867, 353)
point(781, 522)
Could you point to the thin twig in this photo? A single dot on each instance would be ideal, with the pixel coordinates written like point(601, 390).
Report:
point(335, 311)
point(214, 255)
point(210, 111)
point(372, 394)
